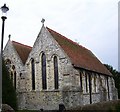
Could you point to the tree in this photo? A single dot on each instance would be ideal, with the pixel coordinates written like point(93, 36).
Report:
point(8, 91)
point(116, 77)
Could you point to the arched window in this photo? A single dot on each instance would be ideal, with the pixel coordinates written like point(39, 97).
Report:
point(8, 63)
point(108, 88)
point(56, 72)
point(14, 76)
point(33, 73)
point(11, 76)
point(86, 78)
point(12, 71)
point(15, 79)
point(43, 62)
point(95, 86)
point(81, 81)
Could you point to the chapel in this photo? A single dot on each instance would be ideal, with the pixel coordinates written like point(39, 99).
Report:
point(56, 71)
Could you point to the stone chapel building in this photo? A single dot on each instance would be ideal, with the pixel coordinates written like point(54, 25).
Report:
point(56, 71)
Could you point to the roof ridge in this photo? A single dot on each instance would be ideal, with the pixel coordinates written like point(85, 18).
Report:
point(22, 44)
point(68, 39)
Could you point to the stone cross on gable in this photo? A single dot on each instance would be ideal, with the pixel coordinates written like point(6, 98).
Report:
point(43, 20)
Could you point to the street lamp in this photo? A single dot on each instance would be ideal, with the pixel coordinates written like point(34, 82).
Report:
point(4, 10)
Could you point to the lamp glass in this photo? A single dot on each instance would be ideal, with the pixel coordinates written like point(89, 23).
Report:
point(4, 8)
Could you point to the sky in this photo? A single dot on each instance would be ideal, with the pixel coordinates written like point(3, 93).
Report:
point(91, 23)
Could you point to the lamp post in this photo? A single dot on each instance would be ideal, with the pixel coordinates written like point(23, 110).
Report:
point(4, 10)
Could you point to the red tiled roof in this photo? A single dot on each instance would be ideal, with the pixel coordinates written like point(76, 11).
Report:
point(80, 56)
point(22, 50)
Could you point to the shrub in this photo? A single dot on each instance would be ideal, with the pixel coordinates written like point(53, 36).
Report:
point(8, 91)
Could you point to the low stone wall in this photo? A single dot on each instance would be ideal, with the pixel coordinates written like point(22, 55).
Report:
point(107, 106)
point(41, 100)
point(49, 100)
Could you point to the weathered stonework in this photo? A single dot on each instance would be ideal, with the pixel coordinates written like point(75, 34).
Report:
point(71, 93)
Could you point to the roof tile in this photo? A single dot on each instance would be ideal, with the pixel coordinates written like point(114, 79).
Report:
point(22, 50)
point(79, 55)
